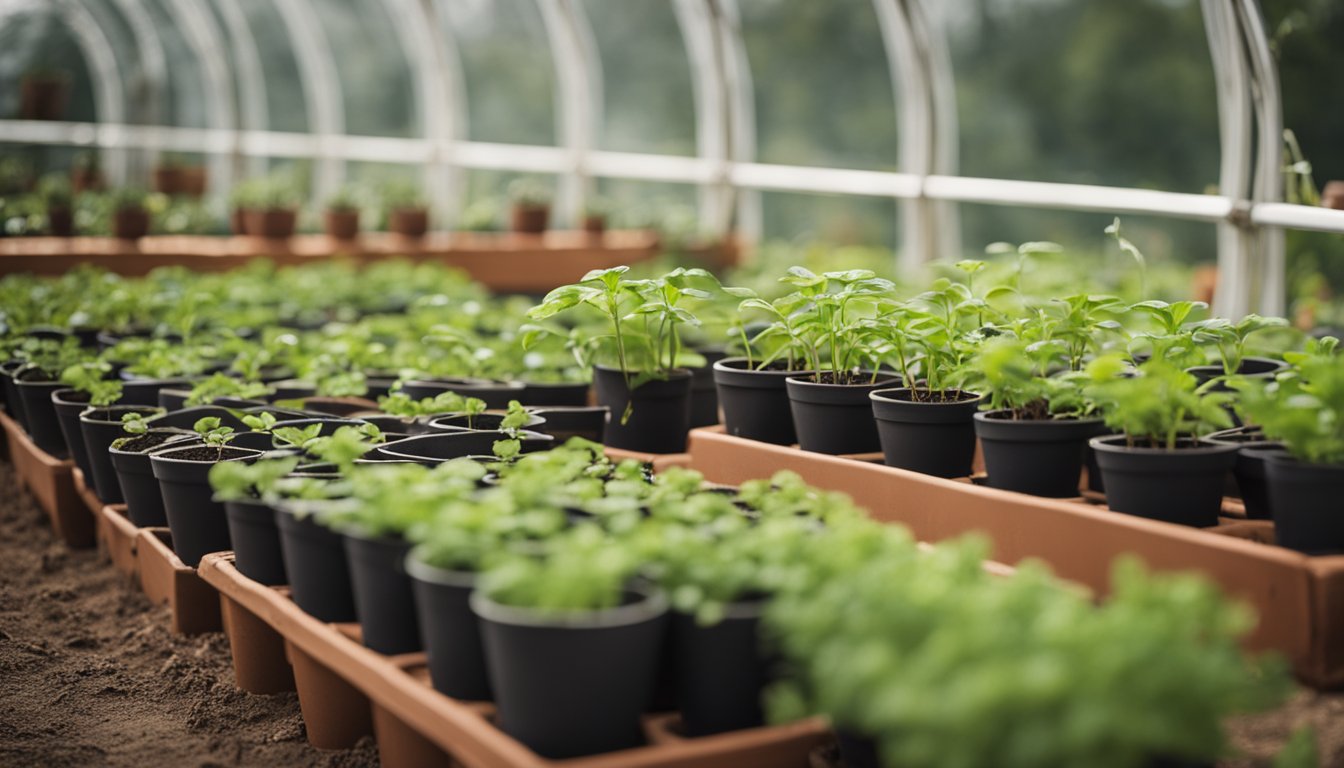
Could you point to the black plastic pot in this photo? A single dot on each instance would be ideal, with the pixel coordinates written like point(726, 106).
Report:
point(1042, 457)
point(69, 403)
point(329, 425)
point(316, 564)
point(659, 411)
point(173, 399)
point(719, 671)
point(483, 422)
point(100, 427)
point(135, 477)
point(1249, 470)
point(198, 522)
point(292, 389)
point(555, 393)
point(1182, 486)
point(187, 418)
point(564, 422)
point(256, 541)
point(449, 631)
point(145, 392)
point(398, 425)
point(496, 394)
point(445, 445)
point(704, 393)
point(857, 751)
point(835, 418)
point(1305, 499)
point(576, 683)
point(383, 597)
point(755, 403)
point(935, 437)
point(35, 390)
point(1253, 367)
point(13, 403)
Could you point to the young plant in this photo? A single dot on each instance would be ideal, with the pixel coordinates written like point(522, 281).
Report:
point(219, 385)
point(1173, 340)
point(1159, 407)
point(1014, 376)
point(1229, 338)
point(213, 433)
point(400, 404)
point(301, 438)
point(259, 422)
point(834, 328)
point(346, 445)
point(1302, 408)
point(529, 193)
point(134, 423)
point(237, 480)
point(89, 377)
point(582, 570)
point(512, 424)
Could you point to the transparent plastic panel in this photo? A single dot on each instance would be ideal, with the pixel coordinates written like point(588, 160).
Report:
point(646, 77)
point(186, 97)
point(832, 220)
point(36, 46)
point(508, 69)
point(285, 104)
point(1085, 91)
point(669, 208)
point(374, 72)
point(823, 90)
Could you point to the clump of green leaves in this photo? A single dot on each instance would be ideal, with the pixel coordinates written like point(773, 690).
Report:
point(212, 432)
point(91, 377)
point(220, 385)
point(1158, 406)
point(1229, 338)
point(405, 406)
point(1303, 408)
point(237, 480)
point(1014, 375)
point(582, 570)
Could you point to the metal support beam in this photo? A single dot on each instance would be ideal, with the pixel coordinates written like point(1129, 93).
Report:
point(254, 112)
point(915, 129)
point(578, 99)
point(415, 27)
point(204, 37)
point(321, 88)
point(1268, 183)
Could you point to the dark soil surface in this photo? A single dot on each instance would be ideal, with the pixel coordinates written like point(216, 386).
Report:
point(90, 674)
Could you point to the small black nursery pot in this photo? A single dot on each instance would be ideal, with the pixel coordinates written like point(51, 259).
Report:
point(316, 563)
point(719, 670)
point(835, 418)
point(574, 683)
point(1042, 457)
point(445, 445)
point(1253, 367)
point(496, 394)
point(755, 403)
point(565, 393)
point(1305, 499)
point(35, 390)
point(1249, 470)
point(932, 433)
point(186, 418)
point(704, 392)
point(328, 427)
point(99, 428)
point(1182, 486)
point(13, 402)
point(69, 403)
point(481, 422)
point(146, 392)
point(256, 541)
point(135, 476)
point(384, 601)
point(198, 522)
point(449, 631)
point(659, 411)
point(564, 422)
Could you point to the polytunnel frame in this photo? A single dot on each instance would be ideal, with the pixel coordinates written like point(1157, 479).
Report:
point(1249, 211)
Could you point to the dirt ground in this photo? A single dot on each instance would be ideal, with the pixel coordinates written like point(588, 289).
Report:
point(91, 676)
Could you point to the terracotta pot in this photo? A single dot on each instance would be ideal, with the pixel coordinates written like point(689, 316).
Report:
point(43, 97)
point(238, 221)
point(168, 180)
point(191, 181)
point(1333, 195)
point(341, 223)
point(60, 222)
point(130, 223)
point(408, 222)
point(86, 180)
point(530, 219)
point(270, 223)
point(594, 225)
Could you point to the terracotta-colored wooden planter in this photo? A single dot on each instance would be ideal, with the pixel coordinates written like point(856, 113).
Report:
point(529, 219)
point(130, 223)
point(259, 661)
point(119, 536)
point(166, 580)
point(51, 482)
point(408, 222)
point(341, 223)
point(270, 223)
point(1299, 599)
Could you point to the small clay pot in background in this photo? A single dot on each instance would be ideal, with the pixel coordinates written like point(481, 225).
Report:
point(270, 223)
point(86, 180)
point(408, 222)
point(168, 179)
point(238, 221)
point(43, 96)
point(341, 223)
point(130, 223)
point(530, 219)
point(595, 224)
point(60, 222)
point(1333, 195)
point(191, 181)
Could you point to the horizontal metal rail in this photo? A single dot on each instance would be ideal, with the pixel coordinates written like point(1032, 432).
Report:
point(680, 170)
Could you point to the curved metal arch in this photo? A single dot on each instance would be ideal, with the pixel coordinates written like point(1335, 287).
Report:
point(414, 25)
point(109, 90)
point(322, 90)
point(579, 82)
point(735, 68)
point(1268, 180)
point(946, 217)
point(914, 117)
point(204, 36)
point(152, 58)
point(708, 90)
point(254, 113)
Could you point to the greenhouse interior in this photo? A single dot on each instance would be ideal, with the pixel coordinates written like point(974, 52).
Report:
point(672, 383)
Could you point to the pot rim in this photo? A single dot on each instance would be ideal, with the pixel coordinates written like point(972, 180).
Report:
point(121, 408)
point(676, 373)
point(985, 416)
point(726, 364)
point(652, 605)
point(432, 574)
point(1283, 458)
point(882, 396)
point(1204, 447)
point(797, 379)
point(161, 458)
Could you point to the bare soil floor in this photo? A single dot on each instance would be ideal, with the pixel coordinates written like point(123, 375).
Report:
point(91, 676)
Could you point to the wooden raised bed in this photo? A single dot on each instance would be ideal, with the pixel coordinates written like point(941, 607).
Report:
point(503, 262)
point(168, 581)
point(340, 683)
point(1299, 599)
point(51, 482)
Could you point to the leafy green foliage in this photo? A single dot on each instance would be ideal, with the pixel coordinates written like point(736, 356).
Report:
point(1158, 405)
point(1014, 378)
point(581, 570)
point(298, 437)
point(1229, 338)
point(237, 480)
point(212, 432)
point(220, 385)
point(134, 423)
point(401, 404)
point(1303, 408)
point(91, 377)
